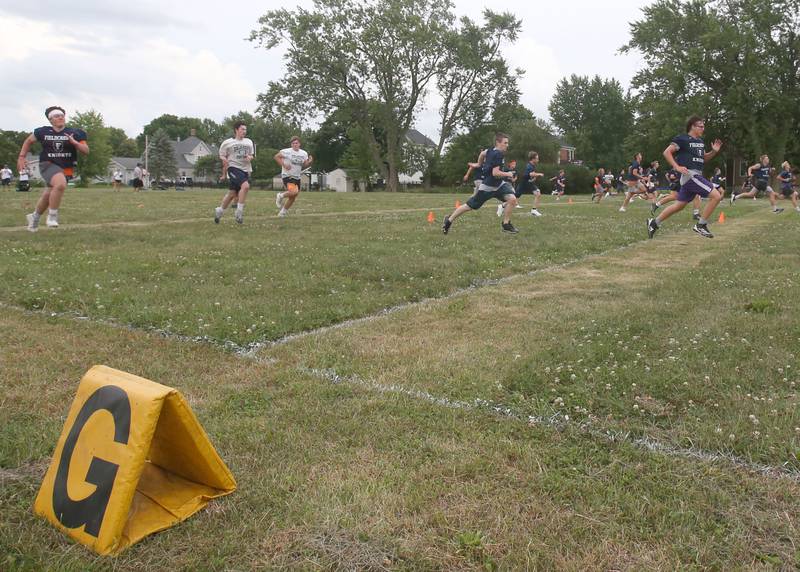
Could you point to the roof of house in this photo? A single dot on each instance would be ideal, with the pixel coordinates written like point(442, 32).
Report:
point(127, 163)
point(185, 147)
point(419, 139)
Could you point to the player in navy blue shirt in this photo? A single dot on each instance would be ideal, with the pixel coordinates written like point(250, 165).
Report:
point(527, 183)
point(787, 178)
point(635, 180)
point(559, 184)
point(495, 185)
point(60, 148)
point(761, 173)
point(510, 168)
point(687, 155)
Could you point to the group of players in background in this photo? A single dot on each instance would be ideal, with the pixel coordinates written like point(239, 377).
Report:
point(686, 155)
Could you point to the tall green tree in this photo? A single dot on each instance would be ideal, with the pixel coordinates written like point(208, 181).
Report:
point(95, 164)
point(735, 62)
point(375, 59)
point(121, 144)
point(161, 158)
point(10, 143)
point(595, 116)
point(473, 61)
point(181, 127)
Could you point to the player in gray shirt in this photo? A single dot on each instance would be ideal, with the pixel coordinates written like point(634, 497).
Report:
point(237, 155)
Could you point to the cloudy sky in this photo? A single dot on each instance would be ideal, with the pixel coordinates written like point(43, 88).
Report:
point(136, 61)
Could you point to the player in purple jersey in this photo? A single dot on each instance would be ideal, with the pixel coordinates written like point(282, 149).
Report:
point(60, 148)
point(687, 155)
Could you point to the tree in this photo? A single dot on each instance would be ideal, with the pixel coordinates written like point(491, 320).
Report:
point(595, 116)
point(181, 127)
point(208, 167)
point(373, 59)
point(95, 164)
point(161, 158)
point(121, 144)
point(735, 62)
point(10, 144)
point(473, 61)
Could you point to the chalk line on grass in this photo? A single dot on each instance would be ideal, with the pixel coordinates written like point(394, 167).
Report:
point(561, 422)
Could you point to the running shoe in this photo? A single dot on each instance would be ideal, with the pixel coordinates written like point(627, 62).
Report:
point(653, 208)
point(238, 216)
point(733, 198)
point(622, 209)
point(510, 228)
point(33, 222)
point(695, 216)
point(652, 227)
point(279, 200)
point(776, 211)
point(500, 209)
point(218, 214)
point(535, 212)
point(283, 212)
point(446, 225)
point(52, 221)
point(702, 230)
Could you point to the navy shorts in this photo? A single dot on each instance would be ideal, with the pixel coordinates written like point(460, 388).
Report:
point(695, 185)
point(501, 193)
point(237, 178)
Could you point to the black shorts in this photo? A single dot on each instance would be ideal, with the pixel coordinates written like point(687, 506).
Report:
point(6, 182)
point(138, 184)
point(501, 194)
point(761, 185)
point(237, 178)
point(787, 191)
point(290, 181)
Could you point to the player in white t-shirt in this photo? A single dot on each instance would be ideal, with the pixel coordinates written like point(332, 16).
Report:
point(5, 176)
point(116, 179)
point(237, 155)
point(292, 161)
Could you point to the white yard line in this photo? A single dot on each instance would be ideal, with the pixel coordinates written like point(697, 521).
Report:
point(562, 422)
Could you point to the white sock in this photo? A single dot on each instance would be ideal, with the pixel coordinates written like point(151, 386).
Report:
point(53, 213)
point(239, 207)
point(36, 215)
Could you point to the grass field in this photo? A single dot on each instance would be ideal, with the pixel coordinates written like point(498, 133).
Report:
point(389, 398)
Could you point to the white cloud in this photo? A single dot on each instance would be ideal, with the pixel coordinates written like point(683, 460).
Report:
point(23, 38)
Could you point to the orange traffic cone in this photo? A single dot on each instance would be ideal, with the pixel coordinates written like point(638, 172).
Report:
point(431, 218)
point(458, 204)
point(722, 218)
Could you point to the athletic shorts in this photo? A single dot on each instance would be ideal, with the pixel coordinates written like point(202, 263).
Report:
point(485, 193)
point(787, 191)
point(49, 170)
point(237, 178)
point(693, 185)
point(6, 182)
point(527, 190)
point(762, 185)
point(138, 184)
point(290, 181)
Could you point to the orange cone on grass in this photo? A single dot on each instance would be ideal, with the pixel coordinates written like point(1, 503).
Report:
point(431, 217)
point(721, 218)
